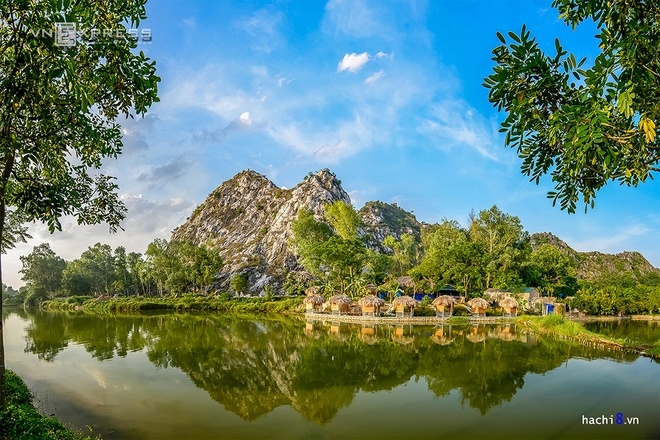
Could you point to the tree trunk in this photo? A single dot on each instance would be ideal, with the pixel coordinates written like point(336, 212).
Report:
point(3, 388)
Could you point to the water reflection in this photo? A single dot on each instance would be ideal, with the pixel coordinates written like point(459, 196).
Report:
point(252, 366)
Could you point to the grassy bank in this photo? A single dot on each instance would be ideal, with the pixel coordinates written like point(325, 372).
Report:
point(21, 420)
point(221, 303)
point(556, 325)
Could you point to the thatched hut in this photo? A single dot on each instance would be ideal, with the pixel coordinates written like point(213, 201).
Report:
point(371, 305)
point(368, 334)
point(443, 335)
point(509, 306)
point(406, 283)
point(476, 334)
point(404, 306)
point(478, 306)
point(444, 306)
point(339, 304)
point(313, 290)
point(313, 303)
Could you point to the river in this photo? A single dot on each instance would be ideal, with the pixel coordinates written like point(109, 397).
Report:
point(179, 376)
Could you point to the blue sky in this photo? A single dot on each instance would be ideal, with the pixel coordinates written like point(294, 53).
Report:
point(388, 95)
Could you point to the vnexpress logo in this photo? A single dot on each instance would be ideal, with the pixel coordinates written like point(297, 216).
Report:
point(65, 34)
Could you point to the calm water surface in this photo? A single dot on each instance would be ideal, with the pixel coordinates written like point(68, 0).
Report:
point(205, 376)
point(635, 332)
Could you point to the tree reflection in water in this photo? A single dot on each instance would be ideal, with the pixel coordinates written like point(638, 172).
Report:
point(252, 365)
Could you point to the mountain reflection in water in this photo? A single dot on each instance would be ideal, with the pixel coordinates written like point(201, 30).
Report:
point(254, 365)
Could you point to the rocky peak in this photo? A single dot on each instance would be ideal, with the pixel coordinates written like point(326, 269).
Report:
point(249, 219)
point(382, 219)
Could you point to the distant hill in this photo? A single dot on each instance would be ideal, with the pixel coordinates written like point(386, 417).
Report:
point(382, 219)
point(592, 265)
point(248, 218)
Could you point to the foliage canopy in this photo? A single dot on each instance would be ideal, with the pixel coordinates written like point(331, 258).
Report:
point(585, 125)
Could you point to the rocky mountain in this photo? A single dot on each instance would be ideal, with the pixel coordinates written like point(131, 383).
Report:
point(592, 265)
point(249, 219)
point(382, 219)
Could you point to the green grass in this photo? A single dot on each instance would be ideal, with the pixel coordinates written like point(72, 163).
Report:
point(458, 320)
point(21, 420)
point(558, 326)
point(223, 303)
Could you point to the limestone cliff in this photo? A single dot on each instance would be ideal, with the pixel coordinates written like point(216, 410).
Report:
point(592, 265)
point(382, 219)
point(249, 219)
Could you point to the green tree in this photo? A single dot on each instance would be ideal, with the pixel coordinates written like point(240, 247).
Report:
point(238, 283)
point(343, 218)
point(58, 117)
point(14, 231)
point(450, 257)
point(337, 259)
point(552, 271)
point(42, 271)
point(93, 273)
point(585, 125)
point(181, 266)
point(404, 251)
point(504, 243)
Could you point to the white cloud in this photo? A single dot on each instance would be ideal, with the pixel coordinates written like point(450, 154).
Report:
point(245, 119)
point(381, 54)
point(375, 77)
point(357, 19)
point(263, 26)
point(614, 241)
point(458, 124)
point(353, 62)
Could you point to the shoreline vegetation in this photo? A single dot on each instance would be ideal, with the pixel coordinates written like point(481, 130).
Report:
point(551, 325)
point(22, 420)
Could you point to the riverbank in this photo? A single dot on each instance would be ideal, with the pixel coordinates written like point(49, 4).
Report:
point(567, 328)
point(22, 420)
point(557, 326)
point(212, 303)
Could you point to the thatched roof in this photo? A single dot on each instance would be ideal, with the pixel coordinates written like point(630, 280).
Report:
point(314, 299)
point(371, 300)
point(313, 290)
point(406, 281)
point(339, 299)
point(476, 337)
point(405, 301)
point(442, 339)
point(370, 288)
point(478, 303)
point(444, 300)
point(508, 303)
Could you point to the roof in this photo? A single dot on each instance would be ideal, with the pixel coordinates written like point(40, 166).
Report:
point(444, 300)
point(314, 299)
point(405, 301)
point(339, 299)
point(478, 303)
point(371, 300)
point(509, 303)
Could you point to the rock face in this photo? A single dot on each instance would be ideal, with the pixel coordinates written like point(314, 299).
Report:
point(383, 219)
point(592, 265)
point(249, 219)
